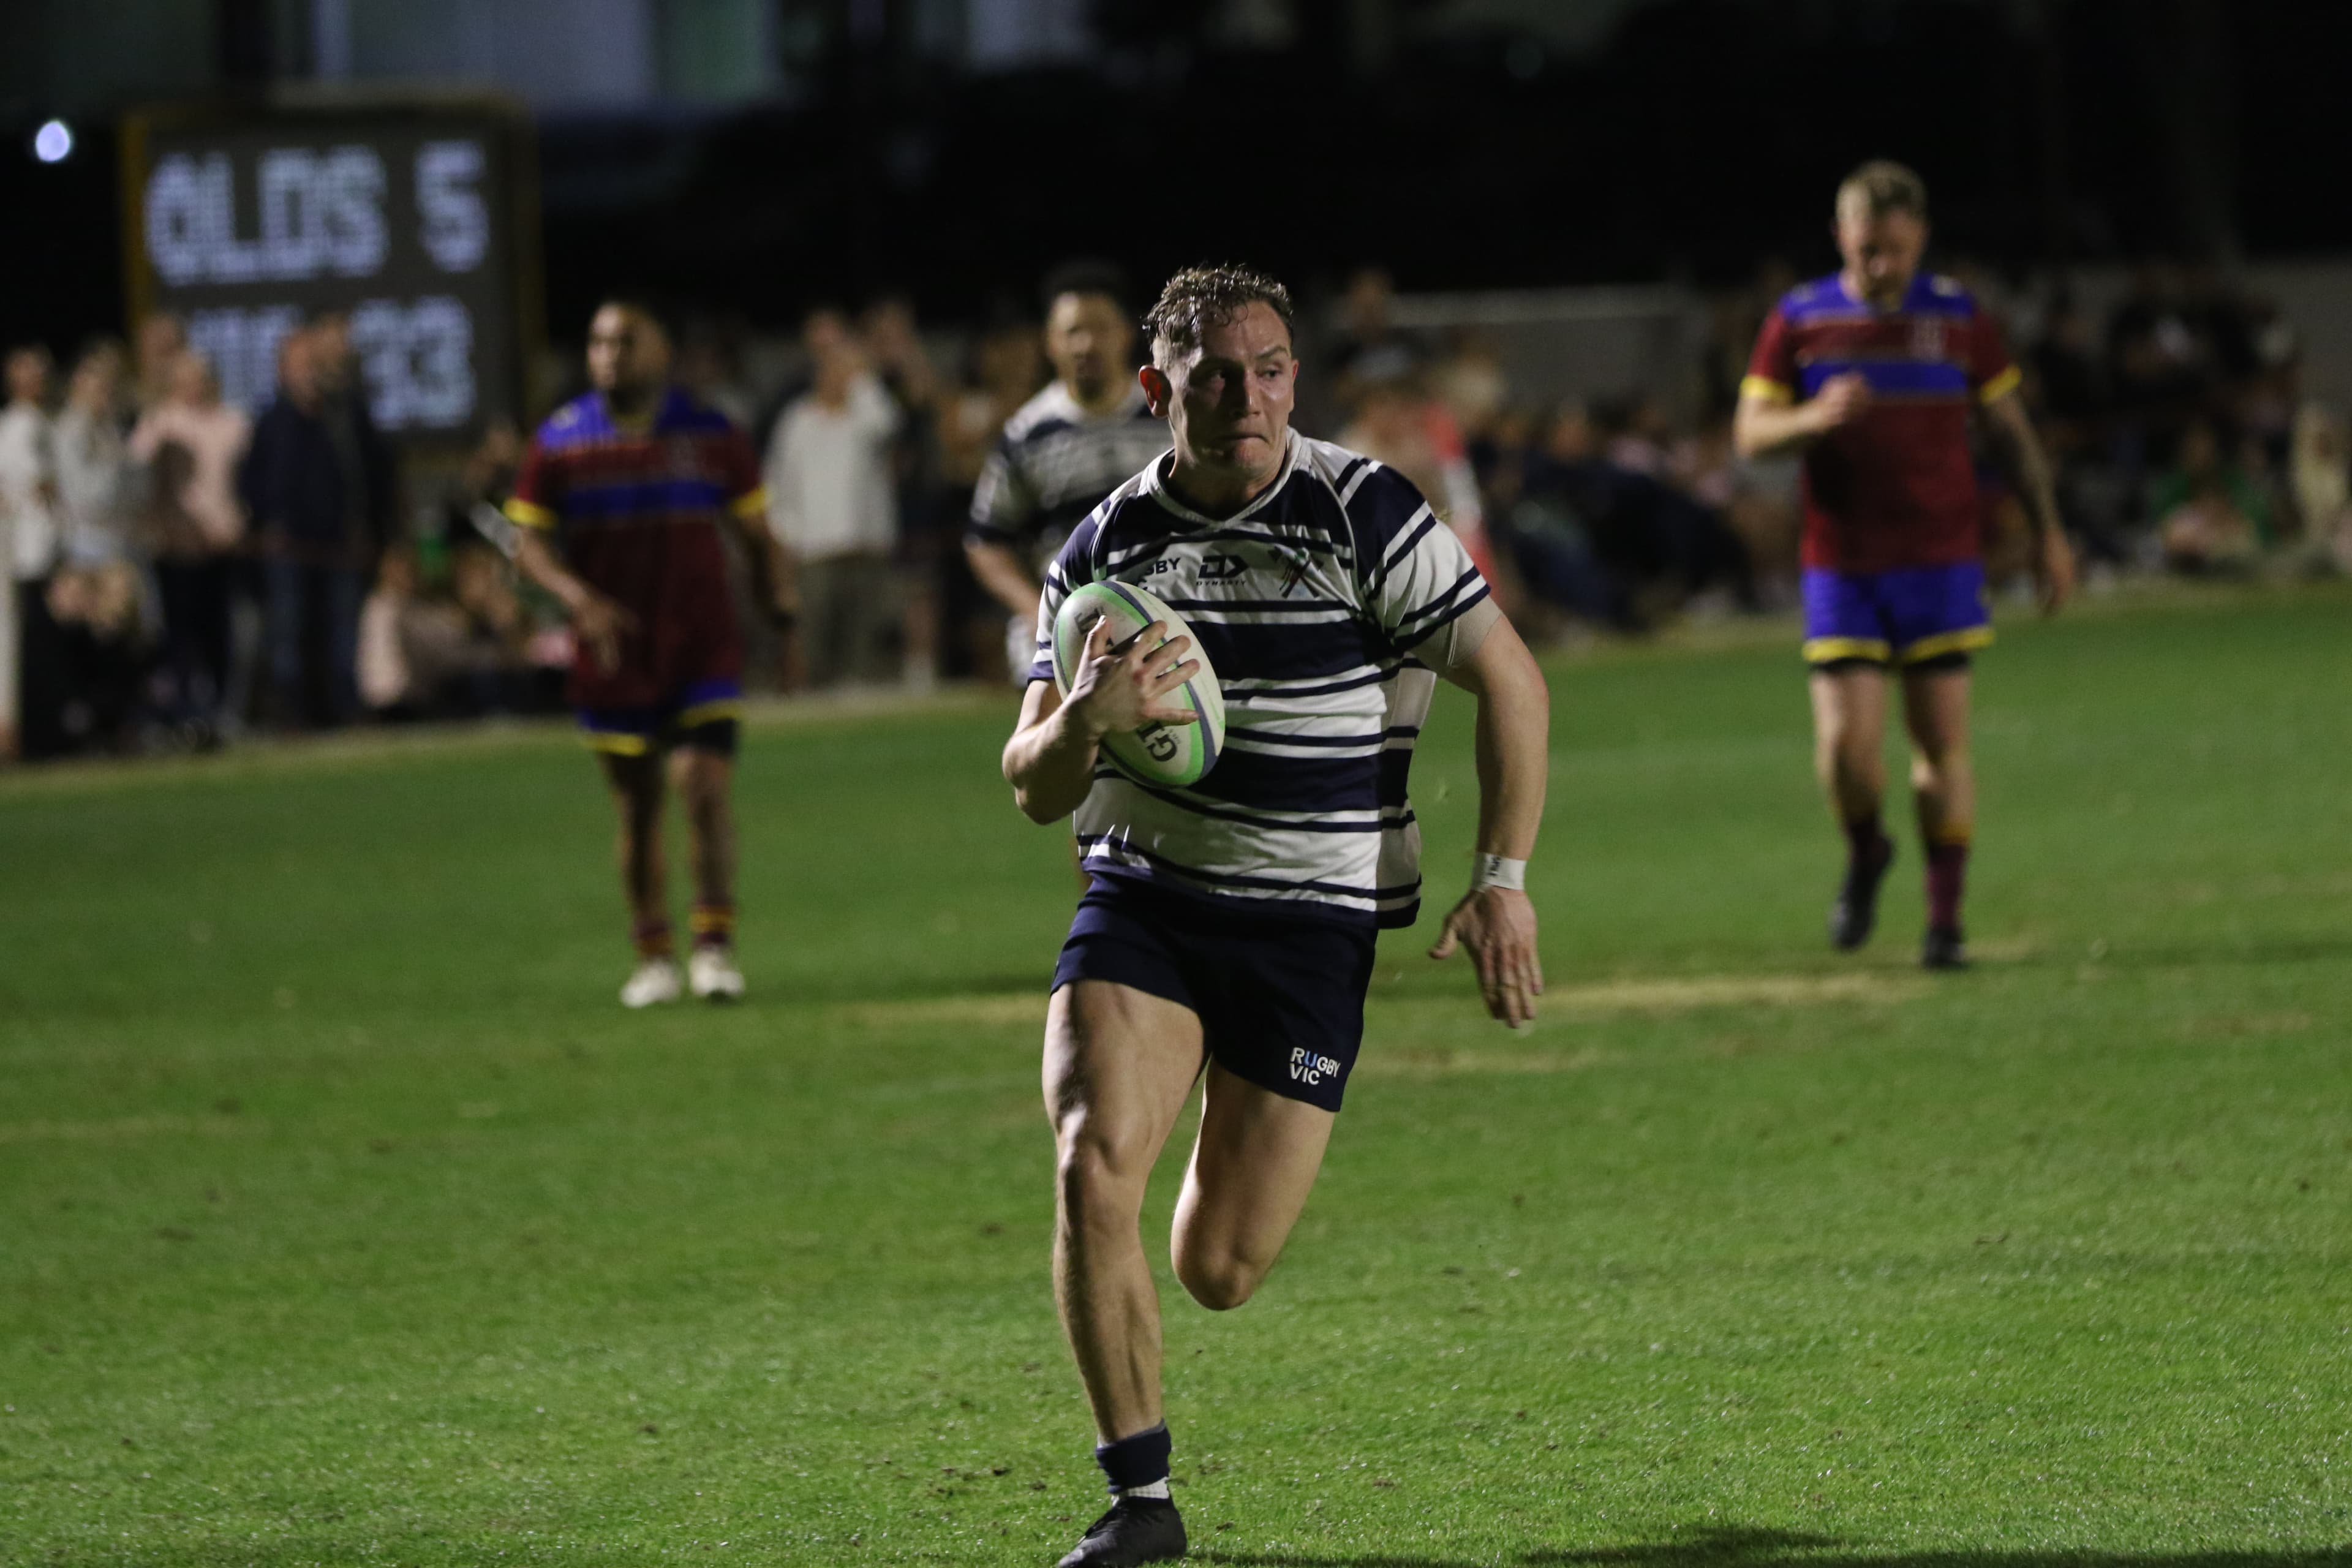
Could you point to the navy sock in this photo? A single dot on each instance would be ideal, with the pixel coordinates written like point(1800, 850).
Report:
point(1138, 1461)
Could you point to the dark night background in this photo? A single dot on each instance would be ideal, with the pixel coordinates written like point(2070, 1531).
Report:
point(1695, 137)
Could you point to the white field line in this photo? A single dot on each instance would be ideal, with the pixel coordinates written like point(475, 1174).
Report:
point(1670, 994)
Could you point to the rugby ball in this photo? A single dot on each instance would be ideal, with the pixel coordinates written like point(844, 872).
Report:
point(1156, 753)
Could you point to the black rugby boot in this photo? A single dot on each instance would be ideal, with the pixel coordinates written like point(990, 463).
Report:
point(1944, 947)
point(1856, 909)
point(1135, 1530)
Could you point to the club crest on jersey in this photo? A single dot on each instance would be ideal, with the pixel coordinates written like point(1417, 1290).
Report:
point(1293, 574)
point(1928, 338)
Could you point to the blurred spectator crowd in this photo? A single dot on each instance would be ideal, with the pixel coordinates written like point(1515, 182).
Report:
point(2181, 436)
point(183, 571)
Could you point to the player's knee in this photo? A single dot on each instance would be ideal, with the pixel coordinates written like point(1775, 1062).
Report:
point(1096, 1169)
point(1218, 1278)
point(701, 778)
point(1933, 765)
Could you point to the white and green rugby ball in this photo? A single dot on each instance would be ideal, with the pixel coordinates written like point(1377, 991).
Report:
point(1156, 753)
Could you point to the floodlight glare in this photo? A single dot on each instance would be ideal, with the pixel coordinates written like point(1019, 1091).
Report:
point(53, 142)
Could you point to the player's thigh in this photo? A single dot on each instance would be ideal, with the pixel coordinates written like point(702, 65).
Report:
point(1255, 1163)
point(1936, 703)
point(635, 779)
point(1849, 701)
point(702, 764)
point(1119, 1064)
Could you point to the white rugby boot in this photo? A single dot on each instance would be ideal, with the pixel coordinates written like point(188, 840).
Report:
point(655, 980)
point(711, 971)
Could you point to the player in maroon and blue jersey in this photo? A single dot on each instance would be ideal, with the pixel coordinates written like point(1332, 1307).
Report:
point(622, 498)
point(1875, 374)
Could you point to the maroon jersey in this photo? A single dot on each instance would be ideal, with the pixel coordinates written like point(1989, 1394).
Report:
point(636, 511)
point(1897, 487)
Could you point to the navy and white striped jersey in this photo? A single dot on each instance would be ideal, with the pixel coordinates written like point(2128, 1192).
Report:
point(1310, 603)
point(1054, 463)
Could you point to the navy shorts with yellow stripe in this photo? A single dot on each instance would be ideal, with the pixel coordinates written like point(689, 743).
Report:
point(703, 714)
point(1904, 616)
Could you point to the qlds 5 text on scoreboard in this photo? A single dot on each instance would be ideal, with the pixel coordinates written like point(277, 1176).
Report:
point(409, 218)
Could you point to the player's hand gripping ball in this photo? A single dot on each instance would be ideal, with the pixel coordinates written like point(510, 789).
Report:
point(1156, 753)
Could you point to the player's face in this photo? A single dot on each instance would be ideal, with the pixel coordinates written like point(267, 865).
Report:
point(28, 377)
point(1881, 253)
point(625, 352)
point(330, 347)
point(1228, 402)
point(1090, 342)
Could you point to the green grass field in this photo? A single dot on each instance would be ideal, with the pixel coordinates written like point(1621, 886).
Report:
point(344, 1217)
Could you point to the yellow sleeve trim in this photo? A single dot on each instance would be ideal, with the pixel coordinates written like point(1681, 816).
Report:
point(531, 515)
point(1766, 389)
point(752, 503)
point(2001, 385)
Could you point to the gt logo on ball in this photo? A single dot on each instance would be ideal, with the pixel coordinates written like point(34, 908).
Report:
point(1156, 752)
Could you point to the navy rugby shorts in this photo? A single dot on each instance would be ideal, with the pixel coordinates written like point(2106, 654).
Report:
point(1280, 995)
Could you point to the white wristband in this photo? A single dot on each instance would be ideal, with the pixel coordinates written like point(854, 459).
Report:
point(1495, 871)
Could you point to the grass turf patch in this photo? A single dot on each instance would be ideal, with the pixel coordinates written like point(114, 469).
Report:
point(346, 1218)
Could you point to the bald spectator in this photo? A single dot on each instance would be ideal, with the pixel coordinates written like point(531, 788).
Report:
point(365, 462)
point(310, 532)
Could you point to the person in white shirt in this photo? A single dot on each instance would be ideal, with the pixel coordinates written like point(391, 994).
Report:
point(833, 501)
point(28, 550)
point(192, 444)
point(93, 467)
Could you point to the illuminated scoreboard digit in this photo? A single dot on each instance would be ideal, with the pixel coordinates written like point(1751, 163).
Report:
point(406, 219)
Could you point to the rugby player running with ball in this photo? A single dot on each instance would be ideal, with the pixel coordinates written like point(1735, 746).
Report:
point(1230, 927)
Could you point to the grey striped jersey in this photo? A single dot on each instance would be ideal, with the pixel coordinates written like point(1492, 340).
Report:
point(1054, 464)
point(1310, 603)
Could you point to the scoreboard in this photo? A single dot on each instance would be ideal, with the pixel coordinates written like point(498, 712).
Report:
point(413, 219)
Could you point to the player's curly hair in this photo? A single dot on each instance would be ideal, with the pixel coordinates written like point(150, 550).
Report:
point(1200, 297)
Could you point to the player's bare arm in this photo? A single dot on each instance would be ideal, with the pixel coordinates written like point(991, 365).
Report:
point(775, 574)
point(998, 569)
point(2022, 457)
point(1496, 924)
point(1763, 425)
point(597, 621)
point(1050, 760)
